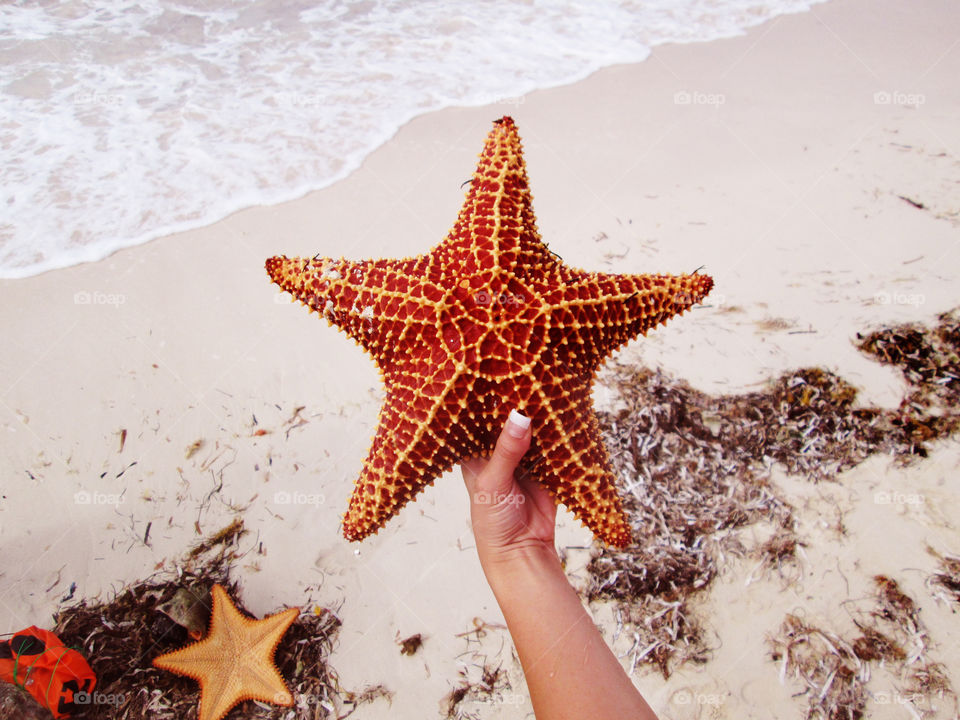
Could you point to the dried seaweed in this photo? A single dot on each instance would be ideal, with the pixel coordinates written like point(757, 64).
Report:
point(834, 671)
point(489, 688)
point(874, 645)
point(948, 579)
point(15, 702)
point(120, 638)
point(225, 537)
point(694, 467)
point(827, 665)
point(410, 645)
point(895, 606)
point(483, 681)
point(781, 547)
point(930, 363)
point(930, 681)
point(928, 359)
point(685, 490)
point(805, 421)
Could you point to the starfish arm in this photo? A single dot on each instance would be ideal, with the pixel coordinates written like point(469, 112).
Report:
point(496, 225)
point(217, 697)
point(191, 661)
point(570, 459)
point(265, 683)
point(404, 458)
point(426, 425)
point(372, 301)
point(598, 313)
point(261, 680)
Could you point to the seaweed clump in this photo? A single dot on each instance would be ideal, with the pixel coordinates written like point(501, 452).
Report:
point(694, 467)
point(929, 360)
point(834, 671)
point(686, 489)
point(827, 665)
point(16, 703)
point(481, 682)
point(120, 638)
point(805, 421)
point(948, 579)
point(488, 689)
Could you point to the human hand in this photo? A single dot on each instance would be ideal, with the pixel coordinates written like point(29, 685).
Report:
point(511, 514)
point(570, 670)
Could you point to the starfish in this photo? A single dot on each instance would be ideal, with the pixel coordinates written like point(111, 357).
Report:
point(488, 320)
point(234, 662)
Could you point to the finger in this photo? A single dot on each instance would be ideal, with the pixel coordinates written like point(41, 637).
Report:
point(513, 442)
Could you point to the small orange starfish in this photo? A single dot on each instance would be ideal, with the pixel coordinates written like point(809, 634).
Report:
point(235, 661)
point(488, 320)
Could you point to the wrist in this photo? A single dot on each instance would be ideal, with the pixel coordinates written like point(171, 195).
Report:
point(530, 560)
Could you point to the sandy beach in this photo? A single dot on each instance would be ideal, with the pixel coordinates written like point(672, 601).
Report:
point(811, 167)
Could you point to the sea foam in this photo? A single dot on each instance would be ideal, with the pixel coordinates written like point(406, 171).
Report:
point(124, 121)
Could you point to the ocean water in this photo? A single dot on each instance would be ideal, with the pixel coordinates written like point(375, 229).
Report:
point(121, 121)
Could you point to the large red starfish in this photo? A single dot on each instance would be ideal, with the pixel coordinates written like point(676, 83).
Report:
point(487, 321)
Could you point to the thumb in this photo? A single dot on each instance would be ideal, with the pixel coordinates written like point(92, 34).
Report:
point(513, 442)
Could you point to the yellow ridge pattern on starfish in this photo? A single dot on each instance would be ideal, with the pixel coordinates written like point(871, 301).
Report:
point(234, 662)
point(488, 320)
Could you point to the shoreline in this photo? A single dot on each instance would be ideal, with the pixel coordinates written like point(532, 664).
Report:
point(187, 217)
point(783, 172)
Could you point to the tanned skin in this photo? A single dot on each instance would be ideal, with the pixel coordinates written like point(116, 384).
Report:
point(570, 670)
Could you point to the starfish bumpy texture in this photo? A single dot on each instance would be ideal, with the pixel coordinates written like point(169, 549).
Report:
point(487, 321)
point(234, 662)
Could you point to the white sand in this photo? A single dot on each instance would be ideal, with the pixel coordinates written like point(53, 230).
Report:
point(781, 176)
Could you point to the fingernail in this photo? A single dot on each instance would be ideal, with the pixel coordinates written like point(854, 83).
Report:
point(517, 424)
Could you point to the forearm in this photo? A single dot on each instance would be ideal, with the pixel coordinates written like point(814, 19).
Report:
point(570, 671)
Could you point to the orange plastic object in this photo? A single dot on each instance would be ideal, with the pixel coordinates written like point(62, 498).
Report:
point(56, 676)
